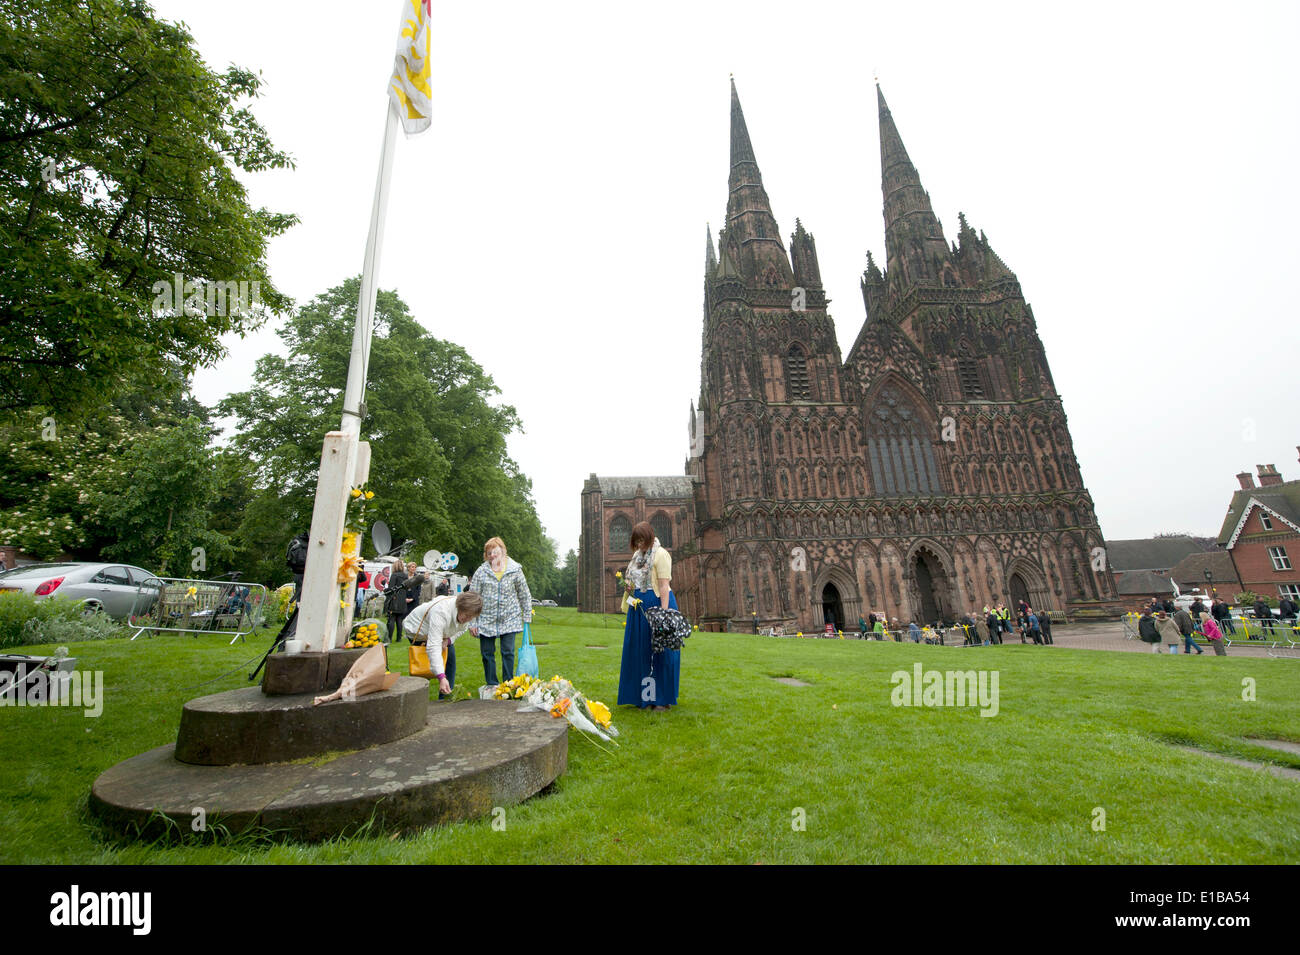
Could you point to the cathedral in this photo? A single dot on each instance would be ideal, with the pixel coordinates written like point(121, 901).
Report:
point(929, 473)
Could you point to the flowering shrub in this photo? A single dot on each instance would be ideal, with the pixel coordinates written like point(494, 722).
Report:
point(26, 620)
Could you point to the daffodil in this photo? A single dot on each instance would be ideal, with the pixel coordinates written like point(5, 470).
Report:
point(370, 495)
point(356, 492)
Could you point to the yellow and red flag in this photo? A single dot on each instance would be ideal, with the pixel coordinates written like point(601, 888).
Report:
point(409, 87)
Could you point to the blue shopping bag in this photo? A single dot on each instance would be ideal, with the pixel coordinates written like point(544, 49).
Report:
point(527, 662)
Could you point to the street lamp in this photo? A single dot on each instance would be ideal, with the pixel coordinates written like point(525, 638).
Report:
point(1209, 576)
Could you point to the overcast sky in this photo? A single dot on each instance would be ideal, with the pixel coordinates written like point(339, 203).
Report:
point(1134, 164)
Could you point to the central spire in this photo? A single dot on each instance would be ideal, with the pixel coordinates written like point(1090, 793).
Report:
point(750, 223)
point(916, 251)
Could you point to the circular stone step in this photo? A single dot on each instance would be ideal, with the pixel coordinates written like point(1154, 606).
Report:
point(470, 758)
point(247, 727)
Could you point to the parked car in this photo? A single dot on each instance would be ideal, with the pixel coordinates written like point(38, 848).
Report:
point(119, 590)
point(544, 603)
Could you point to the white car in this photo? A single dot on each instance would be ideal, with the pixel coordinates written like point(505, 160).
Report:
point(120, 590)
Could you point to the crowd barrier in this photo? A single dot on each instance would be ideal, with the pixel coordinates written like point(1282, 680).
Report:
point(190, 605)
point(955, 636)
point(1244, 630)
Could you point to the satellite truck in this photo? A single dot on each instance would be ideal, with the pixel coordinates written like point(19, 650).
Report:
point(439, 566)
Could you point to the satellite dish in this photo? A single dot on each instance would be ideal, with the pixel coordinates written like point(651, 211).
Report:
point(431, 558)
point(448, 561)
point(382, 538)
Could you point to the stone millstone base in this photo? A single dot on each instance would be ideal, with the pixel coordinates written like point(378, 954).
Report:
point(247, 726)
point(470, 758)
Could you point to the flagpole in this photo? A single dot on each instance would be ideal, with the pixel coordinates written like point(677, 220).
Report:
point(345, 459)
point(359, 363)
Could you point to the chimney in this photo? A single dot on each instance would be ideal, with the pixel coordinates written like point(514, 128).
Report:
point(1268, 475)
point(1245, 478)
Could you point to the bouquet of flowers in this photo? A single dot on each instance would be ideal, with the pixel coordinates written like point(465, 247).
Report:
point(365, 635)
point(561, 698)
point(513, 689)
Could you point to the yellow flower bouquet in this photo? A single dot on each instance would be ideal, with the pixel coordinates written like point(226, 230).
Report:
point(365, 635)
point(562, 699)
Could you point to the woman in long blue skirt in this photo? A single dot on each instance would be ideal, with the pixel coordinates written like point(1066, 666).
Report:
point(646, 678)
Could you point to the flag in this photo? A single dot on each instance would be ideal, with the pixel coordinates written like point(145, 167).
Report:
point(409, 87)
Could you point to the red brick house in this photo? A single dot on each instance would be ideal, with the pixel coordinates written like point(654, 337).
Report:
point(1262, 533)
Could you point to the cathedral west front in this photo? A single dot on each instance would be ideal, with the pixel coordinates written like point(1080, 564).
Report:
point(929, 473)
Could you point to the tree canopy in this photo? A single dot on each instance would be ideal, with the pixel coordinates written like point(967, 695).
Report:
point(439, 467)
point(130, 242)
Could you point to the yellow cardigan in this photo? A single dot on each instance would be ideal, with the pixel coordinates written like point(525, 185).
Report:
point(662, 570)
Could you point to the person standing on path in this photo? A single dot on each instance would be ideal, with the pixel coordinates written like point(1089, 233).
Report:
point(1213, 634)
point(1168, 630)
point(1183, 620)
point(1147, 632)
point(1222, 614)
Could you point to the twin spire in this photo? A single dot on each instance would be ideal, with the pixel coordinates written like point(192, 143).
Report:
point(916, 251)
point(750, 244)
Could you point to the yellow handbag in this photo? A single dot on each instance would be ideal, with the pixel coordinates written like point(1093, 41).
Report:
point(417, 656)
point(418, 659)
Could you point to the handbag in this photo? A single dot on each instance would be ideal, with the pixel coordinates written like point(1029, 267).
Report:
point(527, 662)
point(668, 628)
point(417, 655)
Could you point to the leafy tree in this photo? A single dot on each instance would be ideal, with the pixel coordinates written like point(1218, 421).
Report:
point(118, 158)
point(567, 584)
point(158, 509)
point(134, 482)
point(439, 467)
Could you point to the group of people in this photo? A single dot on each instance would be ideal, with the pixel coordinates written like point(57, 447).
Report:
point(980, 629)
point(495, 608)
point(1165, 623)
point(497, 604)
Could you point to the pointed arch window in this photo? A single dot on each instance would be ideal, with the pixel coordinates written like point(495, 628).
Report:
point(900, 453)
point(796, 374)
point(663, 528)
point(620, 535)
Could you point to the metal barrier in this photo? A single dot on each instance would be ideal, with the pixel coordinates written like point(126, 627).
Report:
point(1272, 633)
point(188, 605)
point(958, 635)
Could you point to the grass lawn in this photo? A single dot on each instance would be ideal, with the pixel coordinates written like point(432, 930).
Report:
point(729, 774)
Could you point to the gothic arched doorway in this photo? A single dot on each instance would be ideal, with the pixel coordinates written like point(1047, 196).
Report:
point(932, 588)
point(832, 607)
point(1019, 591)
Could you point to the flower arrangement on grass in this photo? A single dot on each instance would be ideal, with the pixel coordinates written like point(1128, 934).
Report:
point(513, 689)
point(562, 699)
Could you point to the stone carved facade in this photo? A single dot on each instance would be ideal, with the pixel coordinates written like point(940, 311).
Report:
point(929, 473)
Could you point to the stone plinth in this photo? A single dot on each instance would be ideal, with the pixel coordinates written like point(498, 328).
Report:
point(316, 672)
point(248, 727)
point(469, 758)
